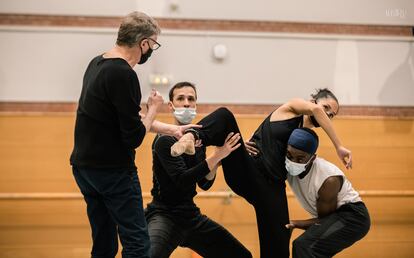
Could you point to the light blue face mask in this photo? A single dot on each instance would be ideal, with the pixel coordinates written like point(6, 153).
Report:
point(184, 115)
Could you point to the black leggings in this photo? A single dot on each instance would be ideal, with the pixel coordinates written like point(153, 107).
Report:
point(267, 196)
point(199, 233)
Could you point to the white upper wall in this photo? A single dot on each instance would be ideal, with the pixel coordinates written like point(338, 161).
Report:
point(390, 12)
point(47, 64)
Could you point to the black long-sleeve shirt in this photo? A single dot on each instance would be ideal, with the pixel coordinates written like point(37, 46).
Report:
point(108, 125)
point(175, 178)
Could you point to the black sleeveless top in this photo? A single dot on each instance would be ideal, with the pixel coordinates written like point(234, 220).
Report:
point(271, 139)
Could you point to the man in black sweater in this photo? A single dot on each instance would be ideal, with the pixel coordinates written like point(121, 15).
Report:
point(107, 131)
point(173, 217)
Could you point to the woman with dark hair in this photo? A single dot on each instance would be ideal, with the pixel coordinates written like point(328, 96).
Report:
point(260, 178)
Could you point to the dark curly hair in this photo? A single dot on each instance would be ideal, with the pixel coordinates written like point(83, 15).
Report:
point(324, 93)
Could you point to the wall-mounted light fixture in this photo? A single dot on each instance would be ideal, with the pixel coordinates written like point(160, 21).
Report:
point(160, 79)
point(220, 52)
point(174, 5)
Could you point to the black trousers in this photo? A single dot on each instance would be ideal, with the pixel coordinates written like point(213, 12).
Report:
point(334, 233)
point(199, 233)
point(268, 197)
point(114, 206)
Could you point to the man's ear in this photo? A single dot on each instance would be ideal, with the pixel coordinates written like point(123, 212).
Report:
point(170, 106)
point(143, 43)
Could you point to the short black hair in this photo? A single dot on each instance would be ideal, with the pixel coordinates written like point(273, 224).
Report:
point(180, 85)
point(324, 93)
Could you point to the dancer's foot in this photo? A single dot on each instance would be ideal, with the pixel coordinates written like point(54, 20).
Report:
point(183, 146)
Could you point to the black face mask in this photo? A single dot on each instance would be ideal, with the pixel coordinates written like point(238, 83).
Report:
point(144, 57)
point(314, 122)
point(313, 119)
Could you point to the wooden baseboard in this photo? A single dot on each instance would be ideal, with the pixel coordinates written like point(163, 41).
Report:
point(260, 109)
point(205, 24)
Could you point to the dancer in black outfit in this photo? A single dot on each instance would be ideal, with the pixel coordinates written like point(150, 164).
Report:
point(172, 216)
point(260, 179)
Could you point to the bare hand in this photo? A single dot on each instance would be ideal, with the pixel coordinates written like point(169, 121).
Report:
point(295, 224)
point(345, 155)
point(179, 131)
point(230, 144)
point(198, 143)
point(251, 148)
point(290, 226)
point(155, 99)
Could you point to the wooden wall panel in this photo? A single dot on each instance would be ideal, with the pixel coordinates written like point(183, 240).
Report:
point(36, 149)
point(209, 24)
point(62, 226)
point(34, 157)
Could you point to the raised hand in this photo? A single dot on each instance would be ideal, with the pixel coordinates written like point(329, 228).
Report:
point(230, 144)
point(155, 100)
point(345, 155)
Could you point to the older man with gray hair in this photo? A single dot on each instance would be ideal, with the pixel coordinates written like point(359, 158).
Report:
point(108, 130)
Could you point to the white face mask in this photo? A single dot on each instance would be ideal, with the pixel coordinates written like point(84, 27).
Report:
point(184, 115)
point(295, 169)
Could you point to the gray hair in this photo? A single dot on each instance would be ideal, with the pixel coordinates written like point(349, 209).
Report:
point(135, 27)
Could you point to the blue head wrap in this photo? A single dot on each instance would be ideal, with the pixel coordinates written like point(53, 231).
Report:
point(303, 140)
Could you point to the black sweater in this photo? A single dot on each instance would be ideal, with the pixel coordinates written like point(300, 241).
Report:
point(108, 126)
point(175, 178)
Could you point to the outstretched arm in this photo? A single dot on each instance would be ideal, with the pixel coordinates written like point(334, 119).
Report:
point(302, 224)
point(325, 205)
point(178, 171)
point(169, 129)
point(301, 106)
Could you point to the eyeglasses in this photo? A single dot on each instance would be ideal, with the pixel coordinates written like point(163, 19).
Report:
point(155, 44)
